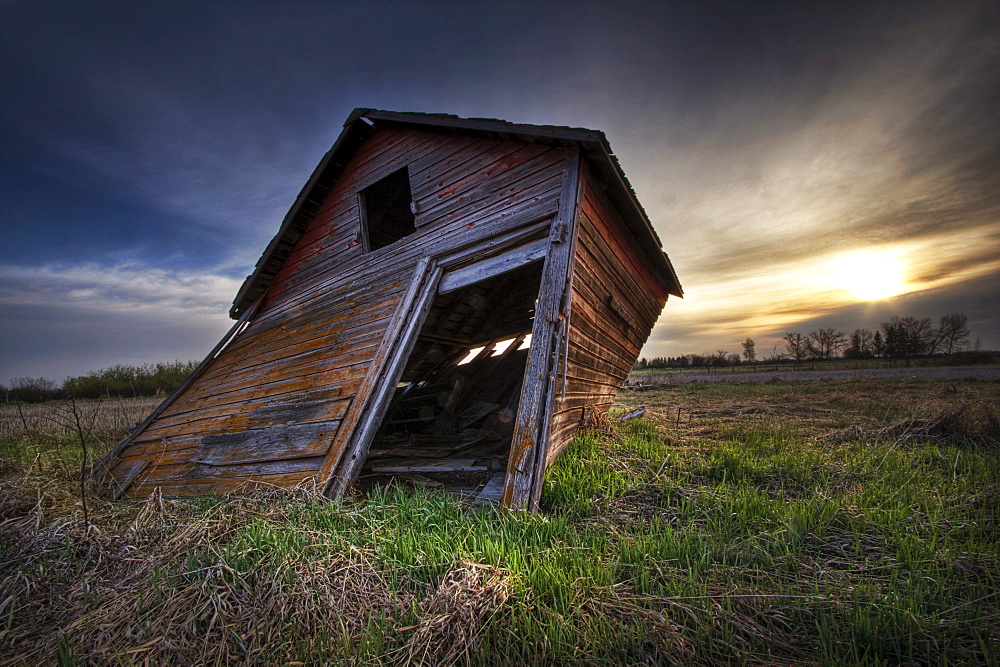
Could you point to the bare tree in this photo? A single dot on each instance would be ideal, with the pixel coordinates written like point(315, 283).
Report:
point(33, 390)
point(826, 343)
point(796, 345)
point(775, 356)
point(749, 350)
point(953, 332)
point(861, 345)
point(907, 337)
point(867, 339)
point(72, 417)
point(927, 335)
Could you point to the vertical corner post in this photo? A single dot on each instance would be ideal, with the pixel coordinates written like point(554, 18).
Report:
point(549, 338)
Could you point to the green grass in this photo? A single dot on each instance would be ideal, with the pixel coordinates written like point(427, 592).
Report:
point(755, 539)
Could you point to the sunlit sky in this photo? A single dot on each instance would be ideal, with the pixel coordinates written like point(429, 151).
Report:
point(805, 164)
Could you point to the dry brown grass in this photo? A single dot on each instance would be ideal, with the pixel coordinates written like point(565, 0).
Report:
point(730, 531)
point(694, 412)
point(110, 416)
point(454, 617)
point(973, 423)
point(155, 583)
point(117, 594)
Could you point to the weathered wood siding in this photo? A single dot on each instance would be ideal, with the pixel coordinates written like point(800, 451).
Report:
point(268, 406)
point(615, 301)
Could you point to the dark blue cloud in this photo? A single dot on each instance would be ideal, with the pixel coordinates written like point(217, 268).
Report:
point(50, 216)
point(173, 136)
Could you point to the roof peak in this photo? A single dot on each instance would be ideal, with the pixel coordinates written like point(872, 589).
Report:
point(454, 120)
point(593, 145)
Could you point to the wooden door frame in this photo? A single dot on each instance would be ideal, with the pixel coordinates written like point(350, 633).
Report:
point(549, 339)
point(480, 263)
point(373, 397)
point(549, 349)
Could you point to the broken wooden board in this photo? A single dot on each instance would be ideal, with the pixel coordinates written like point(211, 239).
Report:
point(628, 416)
point(492, 491)
point(410, 452)
point(438, 466)
point(267, 444)
point(421, 481)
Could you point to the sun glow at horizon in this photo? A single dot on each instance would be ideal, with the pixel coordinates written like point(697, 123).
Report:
point(870, 275)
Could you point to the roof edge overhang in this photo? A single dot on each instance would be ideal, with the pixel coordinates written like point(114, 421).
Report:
point(593, 145)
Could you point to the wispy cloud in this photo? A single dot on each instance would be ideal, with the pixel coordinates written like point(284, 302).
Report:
point(798, 292)
point(900, 142)
point(764, 140)
point(125, 288)
point(887, 145)
point(63, 319)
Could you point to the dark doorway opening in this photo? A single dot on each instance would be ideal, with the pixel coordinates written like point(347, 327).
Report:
point(450, 421)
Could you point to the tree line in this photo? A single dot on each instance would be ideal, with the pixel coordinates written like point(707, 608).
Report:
point(116, 381)
point(902, 337)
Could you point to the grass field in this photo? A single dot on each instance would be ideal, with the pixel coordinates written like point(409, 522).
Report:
point(984, 362)
point(779, 523)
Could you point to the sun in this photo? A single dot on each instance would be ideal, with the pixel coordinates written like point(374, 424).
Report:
point(870, 275)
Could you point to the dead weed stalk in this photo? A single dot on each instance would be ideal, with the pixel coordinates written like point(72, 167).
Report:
point(161, 586)
point(454, 618)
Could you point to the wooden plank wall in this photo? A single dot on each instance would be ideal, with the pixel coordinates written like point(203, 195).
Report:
point(269, 405)
point(615, 301)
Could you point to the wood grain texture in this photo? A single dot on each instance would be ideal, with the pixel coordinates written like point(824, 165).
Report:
point(274, 443)
point(532, 420)
point(120, 487)
point(616, 301)
point(301, 390)
point(493, 266)
point(348, 454)
point(284, 388)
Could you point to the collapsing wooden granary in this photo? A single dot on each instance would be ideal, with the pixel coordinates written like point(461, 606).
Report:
point(447, 303)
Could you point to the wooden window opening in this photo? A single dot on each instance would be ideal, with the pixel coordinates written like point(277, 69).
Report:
point(387, 210)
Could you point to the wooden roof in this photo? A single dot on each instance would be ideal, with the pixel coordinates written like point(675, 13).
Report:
point(592, 144)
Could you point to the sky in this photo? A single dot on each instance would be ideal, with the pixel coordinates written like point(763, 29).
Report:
point(806, 164)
